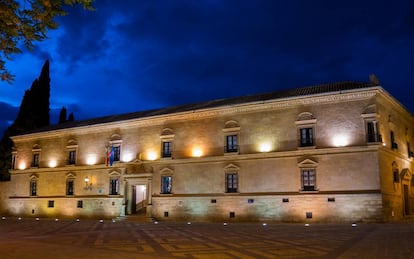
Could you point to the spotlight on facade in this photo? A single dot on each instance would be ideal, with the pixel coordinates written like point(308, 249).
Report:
point(52, 163)
point(22, 166)
point(265, 147)
point(197, 152)
point(88, 185)
point(91, 160)
point(127, 157)
point(152, 155)
point(340, 141)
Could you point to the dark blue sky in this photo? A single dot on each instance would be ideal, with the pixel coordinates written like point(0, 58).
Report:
point(134, 55)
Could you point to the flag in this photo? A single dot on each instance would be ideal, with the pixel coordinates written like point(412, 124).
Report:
point(111, 156)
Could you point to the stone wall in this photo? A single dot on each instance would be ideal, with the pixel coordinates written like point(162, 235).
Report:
point(279, 208)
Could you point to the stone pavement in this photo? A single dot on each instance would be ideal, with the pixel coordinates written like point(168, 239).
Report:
point(48, 238)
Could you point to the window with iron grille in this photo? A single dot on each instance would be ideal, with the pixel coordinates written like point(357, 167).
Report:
point(373, 132)
point(231, 143)
point(33, 187)
point(35, 162)
point(70, 187)
point(306, 137)
point(166, 149)
point(72, 157)
point(308, 179)
point(117, 153)
point(232, 182)
point(114, 186)
point(166, 184)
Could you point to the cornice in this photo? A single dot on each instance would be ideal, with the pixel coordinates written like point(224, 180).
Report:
point(275, 104)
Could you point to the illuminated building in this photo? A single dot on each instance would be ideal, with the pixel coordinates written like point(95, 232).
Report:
point(334, 152)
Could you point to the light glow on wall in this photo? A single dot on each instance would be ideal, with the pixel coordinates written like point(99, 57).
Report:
point(265, 147)
point(91, 160)
point(22, 165)
point(151, 155)
point(197, 152)
point(127, 157)
point(340, 141)
point(52, 163)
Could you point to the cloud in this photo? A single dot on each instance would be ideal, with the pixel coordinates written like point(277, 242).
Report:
point(132, 55)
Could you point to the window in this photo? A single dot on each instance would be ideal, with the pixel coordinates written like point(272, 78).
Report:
point(231, 182)
point(70, 187)
point(306, 137)
point(231, 143)
point(409, 152)
point(80, 204)
point(114, 186)
point(394, 145)
point(72, 157)
point(395, 175)
point(166, 184)
point(33, 187)
point(166, 149)
point(372, 132)
point(13, 163)
point(35, 162)
point(51, 204)
point(308, 179)
point(117, 153)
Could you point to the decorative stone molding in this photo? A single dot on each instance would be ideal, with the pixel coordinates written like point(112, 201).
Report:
point(307, 163)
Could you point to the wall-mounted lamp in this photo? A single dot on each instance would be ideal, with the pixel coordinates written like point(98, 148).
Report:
point(88, 185)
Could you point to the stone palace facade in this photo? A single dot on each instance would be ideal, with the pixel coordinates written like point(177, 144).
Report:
point(329, 153)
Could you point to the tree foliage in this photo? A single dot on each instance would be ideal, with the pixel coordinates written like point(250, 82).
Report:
point(25, 22)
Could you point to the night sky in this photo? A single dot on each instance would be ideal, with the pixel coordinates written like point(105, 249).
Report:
point(135, 55)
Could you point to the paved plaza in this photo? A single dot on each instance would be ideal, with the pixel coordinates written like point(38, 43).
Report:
point(48, 238)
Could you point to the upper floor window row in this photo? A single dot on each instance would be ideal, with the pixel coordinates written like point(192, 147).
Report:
point(306, 137)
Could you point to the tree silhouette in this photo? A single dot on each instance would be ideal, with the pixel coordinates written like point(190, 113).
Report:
point(71, 117)
point(62, 115)
point(33, 114)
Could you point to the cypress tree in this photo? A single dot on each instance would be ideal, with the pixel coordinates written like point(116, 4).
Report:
point(62, 115)
point(71, 117)
point(33, 114)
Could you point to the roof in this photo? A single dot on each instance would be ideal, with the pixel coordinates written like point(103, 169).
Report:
point(288, 93)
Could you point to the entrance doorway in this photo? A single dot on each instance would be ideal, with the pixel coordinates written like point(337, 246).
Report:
point(139, 199)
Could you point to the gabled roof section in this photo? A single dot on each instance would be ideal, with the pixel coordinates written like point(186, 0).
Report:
point(289, 93)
